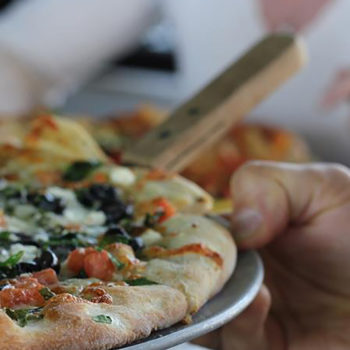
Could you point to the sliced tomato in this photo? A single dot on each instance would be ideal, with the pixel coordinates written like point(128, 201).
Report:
point(75, 261)
point(98, 264)
point(46, 277)
point(23, 291)
point(19, 297)
point(163, 204)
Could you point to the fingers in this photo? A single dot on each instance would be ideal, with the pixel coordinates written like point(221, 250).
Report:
point(246, 332)
point(270, 196)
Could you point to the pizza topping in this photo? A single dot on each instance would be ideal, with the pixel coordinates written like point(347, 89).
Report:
point(26, 289)
point(80, 170)
point(46, 293)
point(102, 319)
point(15, 265)
point(99, 264)
point(117, 234)
point(151, 237)
point(12, 260)
point(95, 263)
point(46, 202)
point(46, 277)
point(163, 205)
point(142, 281)
point(122, 176)
point(96, 294)
point(157, 210)
point(107, 199)
point(22, 316)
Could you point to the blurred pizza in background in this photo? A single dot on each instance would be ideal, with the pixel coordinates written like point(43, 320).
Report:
point(211, 170)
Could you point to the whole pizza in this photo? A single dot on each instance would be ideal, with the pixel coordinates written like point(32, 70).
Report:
point(94, 255)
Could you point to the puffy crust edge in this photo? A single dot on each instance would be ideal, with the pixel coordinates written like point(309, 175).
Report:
point(68, 324)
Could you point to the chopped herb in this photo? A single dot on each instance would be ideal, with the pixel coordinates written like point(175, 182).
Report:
point(5, 236)
point(22, 316)
point(113, 239)
point(118, 264)
point(82, 274)
point(142, 281)
point(66, 240)
point(78, 171)
point(11, 192)
point(46, 293)
point(102, 319)
point(152, 220)
point(12, 260)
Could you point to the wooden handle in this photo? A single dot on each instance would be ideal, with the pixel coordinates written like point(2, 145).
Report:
point(202, 120)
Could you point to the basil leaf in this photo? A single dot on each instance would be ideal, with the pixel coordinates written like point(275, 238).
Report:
point(46, 293)
point(78, 171)
point(102, 319)
point(22, 316)
point(113, 239)
point(12, 260)
point(5, 236)
point(152, 220)
point(142, 281)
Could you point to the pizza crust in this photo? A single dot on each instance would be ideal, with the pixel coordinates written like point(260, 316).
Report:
point(68, 324)
point(199, 277)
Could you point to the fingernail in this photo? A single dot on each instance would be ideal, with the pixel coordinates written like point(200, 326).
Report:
point(245, 223)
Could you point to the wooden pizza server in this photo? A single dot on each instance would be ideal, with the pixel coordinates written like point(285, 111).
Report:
point(203, 119)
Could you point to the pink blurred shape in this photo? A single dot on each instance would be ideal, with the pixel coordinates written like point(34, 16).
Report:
point(293, 14)
point(339, 89)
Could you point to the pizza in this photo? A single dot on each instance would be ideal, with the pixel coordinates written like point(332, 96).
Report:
point(212, 169)
point(95, 255)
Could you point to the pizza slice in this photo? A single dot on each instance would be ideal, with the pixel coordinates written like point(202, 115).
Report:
point(95, 255)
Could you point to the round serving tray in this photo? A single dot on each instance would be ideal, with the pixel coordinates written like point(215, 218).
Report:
point(237, 294)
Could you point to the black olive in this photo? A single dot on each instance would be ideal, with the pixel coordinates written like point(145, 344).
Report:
point(116, 230)
point(25, 240)
point(104, 192)
point(48, 259)
point(62, 252)
point(137, 243)
point(106, 198)
point(114, 212)
point(26, 267)
point(85, 197)
point(46, 202)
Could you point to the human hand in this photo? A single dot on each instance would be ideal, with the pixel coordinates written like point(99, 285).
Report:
point(300, 216)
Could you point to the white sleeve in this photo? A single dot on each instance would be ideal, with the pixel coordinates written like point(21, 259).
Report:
point(49, 47)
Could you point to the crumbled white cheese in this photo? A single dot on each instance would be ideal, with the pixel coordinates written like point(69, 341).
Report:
point(67, 196)
point(24, 211)
point(151, 237)
point(41, 236)
point(122, 176)
point(4, 255)
point(30, 251)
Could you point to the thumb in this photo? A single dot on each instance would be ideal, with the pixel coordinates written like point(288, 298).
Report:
point(270, 196)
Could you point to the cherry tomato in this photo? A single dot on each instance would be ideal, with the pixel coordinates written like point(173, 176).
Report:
point(98, 264)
